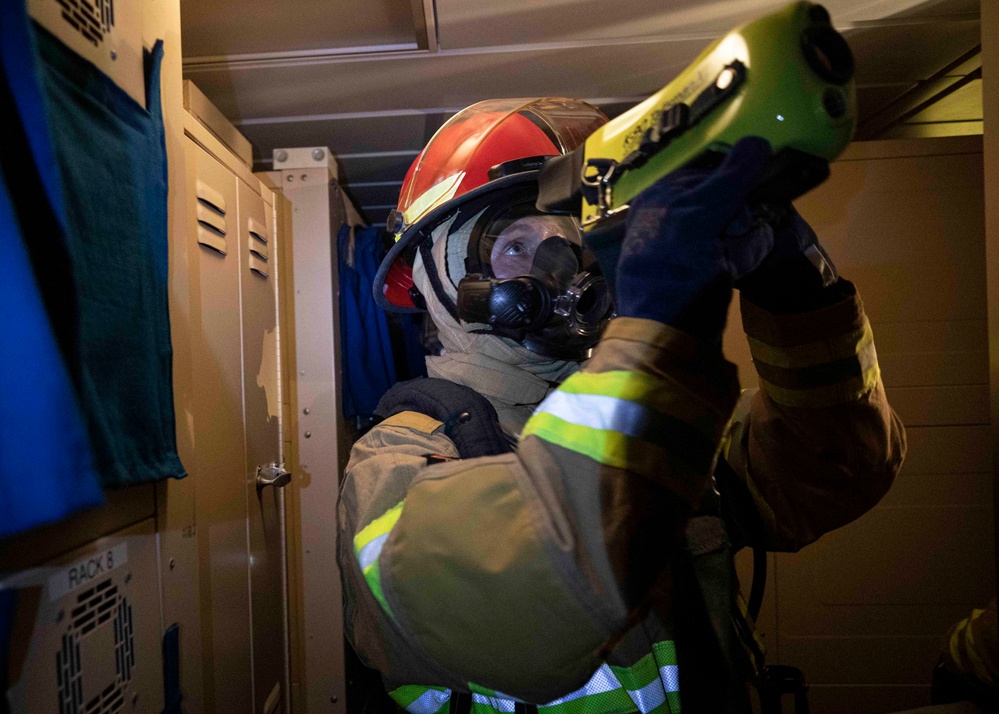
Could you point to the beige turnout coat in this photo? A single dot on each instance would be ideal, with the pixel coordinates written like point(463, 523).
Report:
point(522, 575)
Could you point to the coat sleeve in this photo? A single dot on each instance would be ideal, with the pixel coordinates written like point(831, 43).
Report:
point(519, 572)
point(818, 444)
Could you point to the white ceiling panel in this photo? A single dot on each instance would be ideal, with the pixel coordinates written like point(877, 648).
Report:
point(909, 53)
point(242, 27)
point(348, 75)
point(343, 134)
point(885, 55)
point(464, 24)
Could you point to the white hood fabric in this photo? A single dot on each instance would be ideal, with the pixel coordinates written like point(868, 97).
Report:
point(512, 377)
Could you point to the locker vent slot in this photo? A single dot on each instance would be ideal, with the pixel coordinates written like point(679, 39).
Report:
point(258, 266)
point(210, 239)
point(258, 230)
point(211, 198)
point(258, 239)
point(210, 219)
point(100, 606)
point(91, 18)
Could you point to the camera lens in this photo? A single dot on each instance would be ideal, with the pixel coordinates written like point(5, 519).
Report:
point(827, 54)
point(834, 102)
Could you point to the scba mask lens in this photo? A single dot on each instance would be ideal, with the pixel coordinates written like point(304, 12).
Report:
point(530, 284)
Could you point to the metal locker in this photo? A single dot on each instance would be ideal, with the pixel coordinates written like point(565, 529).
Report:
point(219, 468)
point(264, 474)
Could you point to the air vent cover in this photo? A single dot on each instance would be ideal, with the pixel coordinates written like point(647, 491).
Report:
point(107, 33)
point(86, 630)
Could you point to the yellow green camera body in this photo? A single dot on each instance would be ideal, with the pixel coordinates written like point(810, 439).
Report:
point(787, 77)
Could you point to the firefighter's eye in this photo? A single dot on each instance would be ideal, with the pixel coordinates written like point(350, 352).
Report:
point(514, 248)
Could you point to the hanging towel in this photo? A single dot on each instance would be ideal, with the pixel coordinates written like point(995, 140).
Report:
point(102, 275)
point(368, 366)
point(111, 154)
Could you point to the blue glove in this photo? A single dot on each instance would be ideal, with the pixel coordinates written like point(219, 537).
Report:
point(682, 249)
point(798, 275)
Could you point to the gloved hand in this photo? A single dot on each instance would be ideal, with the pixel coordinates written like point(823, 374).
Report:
point(677, 259)
point(798, 274)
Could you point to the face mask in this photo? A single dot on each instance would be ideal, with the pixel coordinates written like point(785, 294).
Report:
point(529, 279)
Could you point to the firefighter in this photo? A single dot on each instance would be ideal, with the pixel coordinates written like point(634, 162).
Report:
point(536, 526)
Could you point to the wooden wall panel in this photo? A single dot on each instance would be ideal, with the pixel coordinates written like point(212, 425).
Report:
point(863, 612)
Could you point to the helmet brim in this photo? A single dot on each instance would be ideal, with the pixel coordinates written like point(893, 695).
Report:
point(423, 230)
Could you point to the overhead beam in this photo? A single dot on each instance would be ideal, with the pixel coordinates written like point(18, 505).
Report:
point(425, 24)
point(962, 71)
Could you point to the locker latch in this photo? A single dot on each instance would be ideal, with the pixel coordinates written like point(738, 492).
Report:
point(272, 475)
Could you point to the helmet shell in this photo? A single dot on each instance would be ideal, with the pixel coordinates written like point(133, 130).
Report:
point(457, 161)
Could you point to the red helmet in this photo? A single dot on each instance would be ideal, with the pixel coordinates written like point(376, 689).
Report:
point(457, 161)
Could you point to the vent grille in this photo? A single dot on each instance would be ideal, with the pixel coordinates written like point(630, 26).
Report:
point(100, 606)
point(91, 18)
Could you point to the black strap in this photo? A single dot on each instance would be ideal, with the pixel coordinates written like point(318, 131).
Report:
point(461, 703)
point(470, 421)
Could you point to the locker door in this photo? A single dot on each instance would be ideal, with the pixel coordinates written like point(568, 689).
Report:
point(220, 461)
point(257, 255)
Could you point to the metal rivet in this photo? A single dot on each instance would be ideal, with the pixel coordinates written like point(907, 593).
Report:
point(281, 155)
point(334, 699)
point(114, 55)
point(305, 177)
point(301, 373)
point(464, 418)
point(135, 699)
point(290, 179)
point(128, 577)
point(305, 411)
point(318, 154)
point(173, 563)
point(308, 435)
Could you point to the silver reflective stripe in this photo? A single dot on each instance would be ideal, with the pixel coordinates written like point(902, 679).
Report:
point(670, 675)
point(597, 411)
point(603, 680)
point(369, 553)
point(503, 705)
point(648, 697)
point(429, 702)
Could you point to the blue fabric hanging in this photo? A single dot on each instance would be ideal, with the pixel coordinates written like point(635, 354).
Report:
point(368, 365)
point(85, 259)
point(46, 467)
point(111, 156)
point(46, 471)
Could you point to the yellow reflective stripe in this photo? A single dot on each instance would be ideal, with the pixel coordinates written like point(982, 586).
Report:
point(608, 447)
point(378, 527)
point(368, 547)
point(846, 391)
point(418, 699)
point(981, 671)
point(814, 353)
point(438, 193)
point(611, 448)
point(642, 388)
